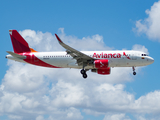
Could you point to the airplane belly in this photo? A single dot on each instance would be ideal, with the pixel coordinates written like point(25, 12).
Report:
point(122, 63)
point(62, 62)
point(131, 63)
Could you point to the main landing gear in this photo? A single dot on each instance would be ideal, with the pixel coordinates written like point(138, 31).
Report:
point(134, 73)
point(83, 72)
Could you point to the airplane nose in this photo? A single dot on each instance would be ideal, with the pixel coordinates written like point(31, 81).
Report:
point(151, 60)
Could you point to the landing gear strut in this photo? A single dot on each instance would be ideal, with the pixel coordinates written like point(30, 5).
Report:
point(134, 73)
point(83, 72)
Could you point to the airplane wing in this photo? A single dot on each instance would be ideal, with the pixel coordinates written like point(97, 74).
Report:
point(16, 55)
point(79, 56)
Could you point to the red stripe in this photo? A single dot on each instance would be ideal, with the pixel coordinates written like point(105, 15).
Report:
point(126, 55)
point(32, 59)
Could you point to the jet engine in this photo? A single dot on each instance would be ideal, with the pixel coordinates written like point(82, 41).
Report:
point(101, 64)
point(106, 71)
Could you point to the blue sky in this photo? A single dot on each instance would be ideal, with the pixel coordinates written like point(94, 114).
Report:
point(121, 24)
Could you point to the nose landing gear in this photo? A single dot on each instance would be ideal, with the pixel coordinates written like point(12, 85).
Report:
point(134, 73)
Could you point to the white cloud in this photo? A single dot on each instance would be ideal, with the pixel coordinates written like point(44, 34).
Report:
point(57, 94)
point(151, 25)
point(116, 117)
point(48, 42)
point(41, 41)
point(68, 94)
point(22, 78)
point(15, 117)
point(148, 103)
point(40, 117)
point(140, 48)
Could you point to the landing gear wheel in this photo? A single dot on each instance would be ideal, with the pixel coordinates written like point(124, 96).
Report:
point(85, 75)
point(83, 71)
point(134, 73)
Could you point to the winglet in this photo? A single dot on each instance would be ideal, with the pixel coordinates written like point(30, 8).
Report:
point(58, 38)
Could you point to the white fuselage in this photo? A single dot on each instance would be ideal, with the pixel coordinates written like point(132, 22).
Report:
point(116, 58)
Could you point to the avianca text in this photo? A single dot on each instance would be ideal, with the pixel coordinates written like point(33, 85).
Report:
point(105, 55)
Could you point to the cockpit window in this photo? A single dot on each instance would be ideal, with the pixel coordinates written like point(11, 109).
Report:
point(144, 55)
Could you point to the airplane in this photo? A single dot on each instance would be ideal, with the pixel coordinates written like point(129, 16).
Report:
point(99, 62)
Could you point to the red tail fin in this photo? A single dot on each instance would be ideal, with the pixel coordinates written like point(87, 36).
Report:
point(18, 42)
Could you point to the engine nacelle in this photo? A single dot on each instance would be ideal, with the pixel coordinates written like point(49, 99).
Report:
point(106, 71)
point(101, 64)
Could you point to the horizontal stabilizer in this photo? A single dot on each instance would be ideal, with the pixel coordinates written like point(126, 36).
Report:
point(16, 55)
